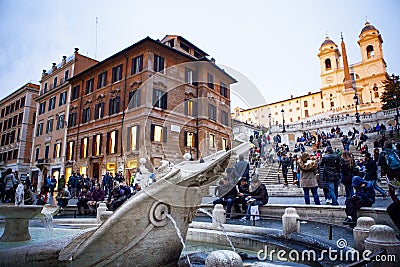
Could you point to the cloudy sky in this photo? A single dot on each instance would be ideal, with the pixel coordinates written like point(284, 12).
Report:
point(269, 45)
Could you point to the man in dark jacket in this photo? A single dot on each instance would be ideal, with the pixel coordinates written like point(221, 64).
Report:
point(364, 197)
point(285, 164)
point(227, 195)
point(98, 195)
point(330, 165)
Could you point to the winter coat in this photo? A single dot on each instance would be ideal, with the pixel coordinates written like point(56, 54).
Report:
point(330, 165)
point(308, 170)
point(371, 173)
point(260, 193)
point(10, 181)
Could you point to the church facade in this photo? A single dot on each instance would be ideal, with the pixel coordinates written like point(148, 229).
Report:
point(345, 88)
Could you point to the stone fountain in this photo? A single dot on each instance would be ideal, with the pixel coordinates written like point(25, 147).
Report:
point(140, 226)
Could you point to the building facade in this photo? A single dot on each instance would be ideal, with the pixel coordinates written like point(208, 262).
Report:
point(346, 88)
point(16, 125)
point(156, 100)
point(52, 106)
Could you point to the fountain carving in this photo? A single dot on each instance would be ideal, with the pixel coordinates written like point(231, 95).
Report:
point(141, 225)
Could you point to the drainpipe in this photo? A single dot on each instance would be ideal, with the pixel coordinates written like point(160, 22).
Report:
point(197, 116)
point(79, 126)
point(123, 107)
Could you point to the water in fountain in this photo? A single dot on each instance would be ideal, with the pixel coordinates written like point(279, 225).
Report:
point(220, 224)
point(19, 195)
point(48, 223)
point(178, 232)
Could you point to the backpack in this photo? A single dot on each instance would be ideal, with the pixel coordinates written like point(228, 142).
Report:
point(389, 160)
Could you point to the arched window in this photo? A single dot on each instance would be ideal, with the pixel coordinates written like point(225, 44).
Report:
point(328, 64)
point(370, 51)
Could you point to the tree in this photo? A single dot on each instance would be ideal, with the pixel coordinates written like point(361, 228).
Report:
point(391, 96)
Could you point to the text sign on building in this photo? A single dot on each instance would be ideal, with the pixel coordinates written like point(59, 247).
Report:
point(175, 128)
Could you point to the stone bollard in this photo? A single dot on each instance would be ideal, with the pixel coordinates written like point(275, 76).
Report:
point(223, 258)
point(100, 210)
point(383, 236)
point(290, 223)
point(361, 232)
point(218, 214)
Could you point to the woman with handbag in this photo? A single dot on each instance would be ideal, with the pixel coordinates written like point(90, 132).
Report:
point(10, 182)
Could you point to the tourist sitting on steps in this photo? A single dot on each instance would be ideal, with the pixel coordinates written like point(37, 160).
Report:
point(363, 197)
point(28, 195)
point(243, 193)
point(98, 195)
point(116, 198)
point(83, 198)
point(258, 196)
point(63, 197)
point(227, 196)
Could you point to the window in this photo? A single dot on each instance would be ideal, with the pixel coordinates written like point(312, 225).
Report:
point(223, 89)
point(212, 140)
point(84, 147)
point(102, 80)
point(370, 51)
point(190, 76)
point(57, 151)
point(112, 139)
point(63, 98)
point(224, 144)
point(305, 115)
point(376, 94)
point(12, 137)
point(117, 73)
point(328, 64)
point(75, 92)
point(97, 143)
point(70, 150)
point(305, 104)
point(49, 125)
point(158, 133)
point(137, 64)
point(89, 86)
point(212, 112)
point(190, 139)
point(7, 110)
point(18, 134)
point(113, 105)
point(15, 153)
point(2, 113)
point(66, 75)
point(332, 104)
point(185, 47)
point(160, 99)
point(224, 118)
point(55, 81)
point(210, 81)
point(134, 99)
point(52, 103)
point(86, 115)
point(39, 129)
point(158, 64)
point(42, 108)
point(72, 119)
point(60, 122)
point(99, 110)
point(45, 88)
point(12, 107)
point(37, 151)
point(46, 151)
point(190, 107)
point(133, 138)
point(14, 123)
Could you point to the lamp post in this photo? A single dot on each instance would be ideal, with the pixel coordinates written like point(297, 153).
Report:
point(397, 110)
point(269, 119)
point(283, 121)
point(356, 100)
point(190, 147)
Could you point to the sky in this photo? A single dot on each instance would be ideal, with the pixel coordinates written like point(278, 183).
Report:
point(270, 46)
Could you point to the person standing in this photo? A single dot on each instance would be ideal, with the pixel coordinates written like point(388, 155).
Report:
point(10, 182)
point(371, 174)
point(61, 182)
point(285, 164)
point(390, 165)
point(73, 185)
point(308, 168)
point(330, 165)
point(346, 170)
point(53, 183)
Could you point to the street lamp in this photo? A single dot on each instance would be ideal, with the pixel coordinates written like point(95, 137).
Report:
point(397, 110)
point(356, 100)
point(283, 121)
point(269, 119)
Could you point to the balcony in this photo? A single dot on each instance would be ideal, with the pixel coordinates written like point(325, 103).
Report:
point(42, 161)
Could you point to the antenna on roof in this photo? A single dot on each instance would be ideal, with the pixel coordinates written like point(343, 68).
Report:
point(366, 19)
point(95, 53)
point(341, 35)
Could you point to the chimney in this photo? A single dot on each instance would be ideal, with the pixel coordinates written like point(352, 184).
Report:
point(213, 60)
point(43, 73)
point(54, 67)
point(64, 60)
point(76, 50)
point(291, 96)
